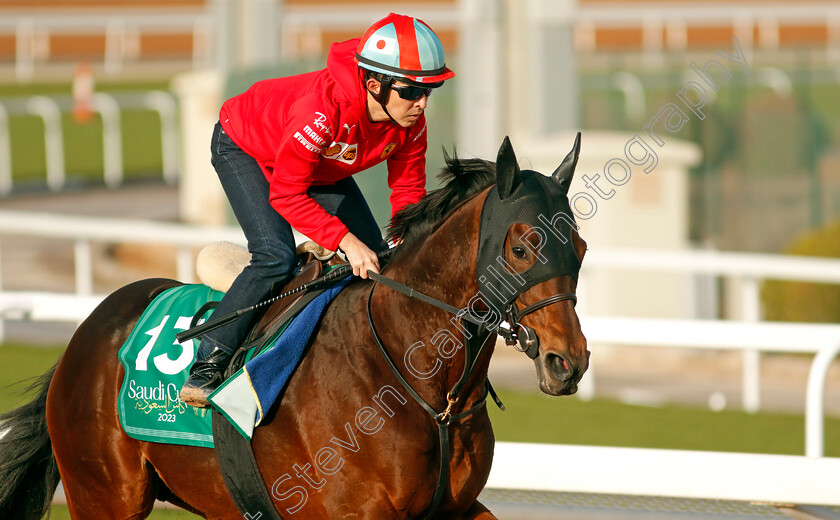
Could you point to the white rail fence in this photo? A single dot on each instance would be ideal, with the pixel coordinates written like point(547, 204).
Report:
point(750, 336)
point(109, 106)
point(83, 231)
point(302, 26)
point(821, 340)
point(794, 484)
point(748, 268)
point(789, 482)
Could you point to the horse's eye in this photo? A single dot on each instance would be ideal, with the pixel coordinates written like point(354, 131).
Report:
point(519, 252)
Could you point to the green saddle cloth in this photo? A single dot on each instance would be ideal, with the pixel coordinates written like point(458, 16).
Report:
point(156, 366)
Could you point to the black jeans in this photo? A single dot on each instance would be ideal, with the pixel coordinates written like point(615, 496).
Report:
point(270, 239)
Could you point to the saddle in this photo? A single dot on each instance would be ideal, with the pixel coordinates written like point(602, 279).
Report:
point(279, 312)
point(218, 265)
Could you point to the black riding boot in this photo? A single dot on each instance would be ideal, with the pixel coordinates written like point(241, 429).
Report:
point(205, 376)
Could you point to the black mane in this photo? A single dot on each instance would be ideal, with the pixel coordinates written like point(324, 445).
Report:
point(462, 178)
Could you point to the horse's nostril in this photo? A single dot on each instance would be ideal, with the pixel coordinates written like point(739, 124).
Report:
point(558, 366)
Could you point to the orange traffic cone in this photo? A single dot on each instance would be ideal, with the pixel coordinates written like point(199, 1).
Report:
point(82, 93)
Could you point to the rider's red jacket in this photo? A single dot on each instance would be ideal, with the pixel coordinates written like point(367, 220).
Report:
point(313, 129)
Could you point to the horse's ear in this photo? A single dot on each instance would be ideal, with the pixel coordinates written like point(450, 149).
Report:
point(508, 176)
point(564, 173)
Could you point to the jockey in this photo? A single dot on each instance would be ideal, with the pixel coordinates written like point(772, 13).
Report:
point(285, 151)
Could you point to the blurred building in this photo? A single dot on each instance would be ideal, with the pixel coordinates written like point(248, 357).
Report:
point(45, 38)
point(755, 166)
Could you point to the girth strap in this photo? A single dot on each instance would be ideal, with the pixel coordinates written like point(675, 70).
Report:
point(240, 472)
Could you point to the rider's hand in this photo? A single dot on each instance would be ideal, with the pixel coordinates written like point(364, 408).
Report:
point(360, 256)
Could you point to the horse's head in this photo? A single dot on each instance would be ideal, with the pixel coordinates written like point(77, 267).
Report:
point(529, 255)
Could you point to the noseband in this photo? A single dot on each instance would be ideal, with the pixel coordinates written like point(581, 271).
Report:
point(530, 344)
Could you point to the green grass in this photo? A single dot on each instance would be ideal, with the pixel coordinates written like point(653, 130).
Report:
point(46, 89)
point(18, 365)
point(141, 145)
point(538, 418)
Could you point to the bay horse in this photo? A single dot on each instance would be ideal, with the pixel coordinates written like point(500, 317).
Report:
point(347, 440)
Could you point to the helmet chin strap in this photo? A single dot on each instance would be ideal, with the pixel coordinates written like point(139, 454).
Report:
point(384, 94)
point(388, 114)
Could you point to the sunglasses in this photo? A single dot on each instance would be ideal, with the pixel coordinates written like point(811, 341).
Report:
point(412, 93)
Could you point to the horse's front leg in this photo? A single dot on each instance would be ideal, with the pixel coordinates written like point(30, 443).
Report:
point(476, 512)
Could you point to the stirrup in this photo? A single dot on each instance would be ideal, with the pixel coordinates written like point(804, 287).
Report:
point(205, 376)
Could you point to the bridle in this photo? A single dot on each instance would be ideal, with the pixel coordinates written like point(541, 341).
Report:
point(512, 334)
point(511, 330)
point(518, 197)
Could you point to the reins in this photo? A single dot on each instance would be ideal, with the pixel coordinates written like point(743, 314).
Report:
point(469, 367)
point(333, 275)
point(194, 331)
point(444, 418)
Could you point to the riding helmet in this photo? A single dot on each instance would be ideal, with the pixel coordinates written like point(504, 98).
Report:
point(403, 47)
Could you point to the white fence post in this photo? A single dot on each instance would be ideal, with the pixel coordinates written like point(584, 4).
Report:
point(185, 264)
point(634, 94)
point(5, 153)
point(48, 110)
point(114, 46)
point(815, 401)
point(480, 95)
point(111, 137)
point(164, 105)
point(2, 323)
point(202, 199)
point(84, 267)
point(751, 358)
point(24, 49)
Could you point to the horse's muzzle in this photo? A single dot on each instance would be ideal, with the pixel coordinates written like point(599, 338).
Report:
point(558, 375)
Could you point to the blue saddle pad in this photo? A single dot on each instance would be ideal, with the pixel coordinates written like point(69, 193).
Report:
point(252, 390)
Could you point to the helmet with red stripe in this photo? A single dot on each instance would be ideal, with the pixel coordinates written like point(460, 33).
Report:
point(405, 48)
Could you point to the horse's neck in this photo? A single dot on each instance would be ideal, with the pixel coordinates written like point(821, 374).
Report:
point(430, 344)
